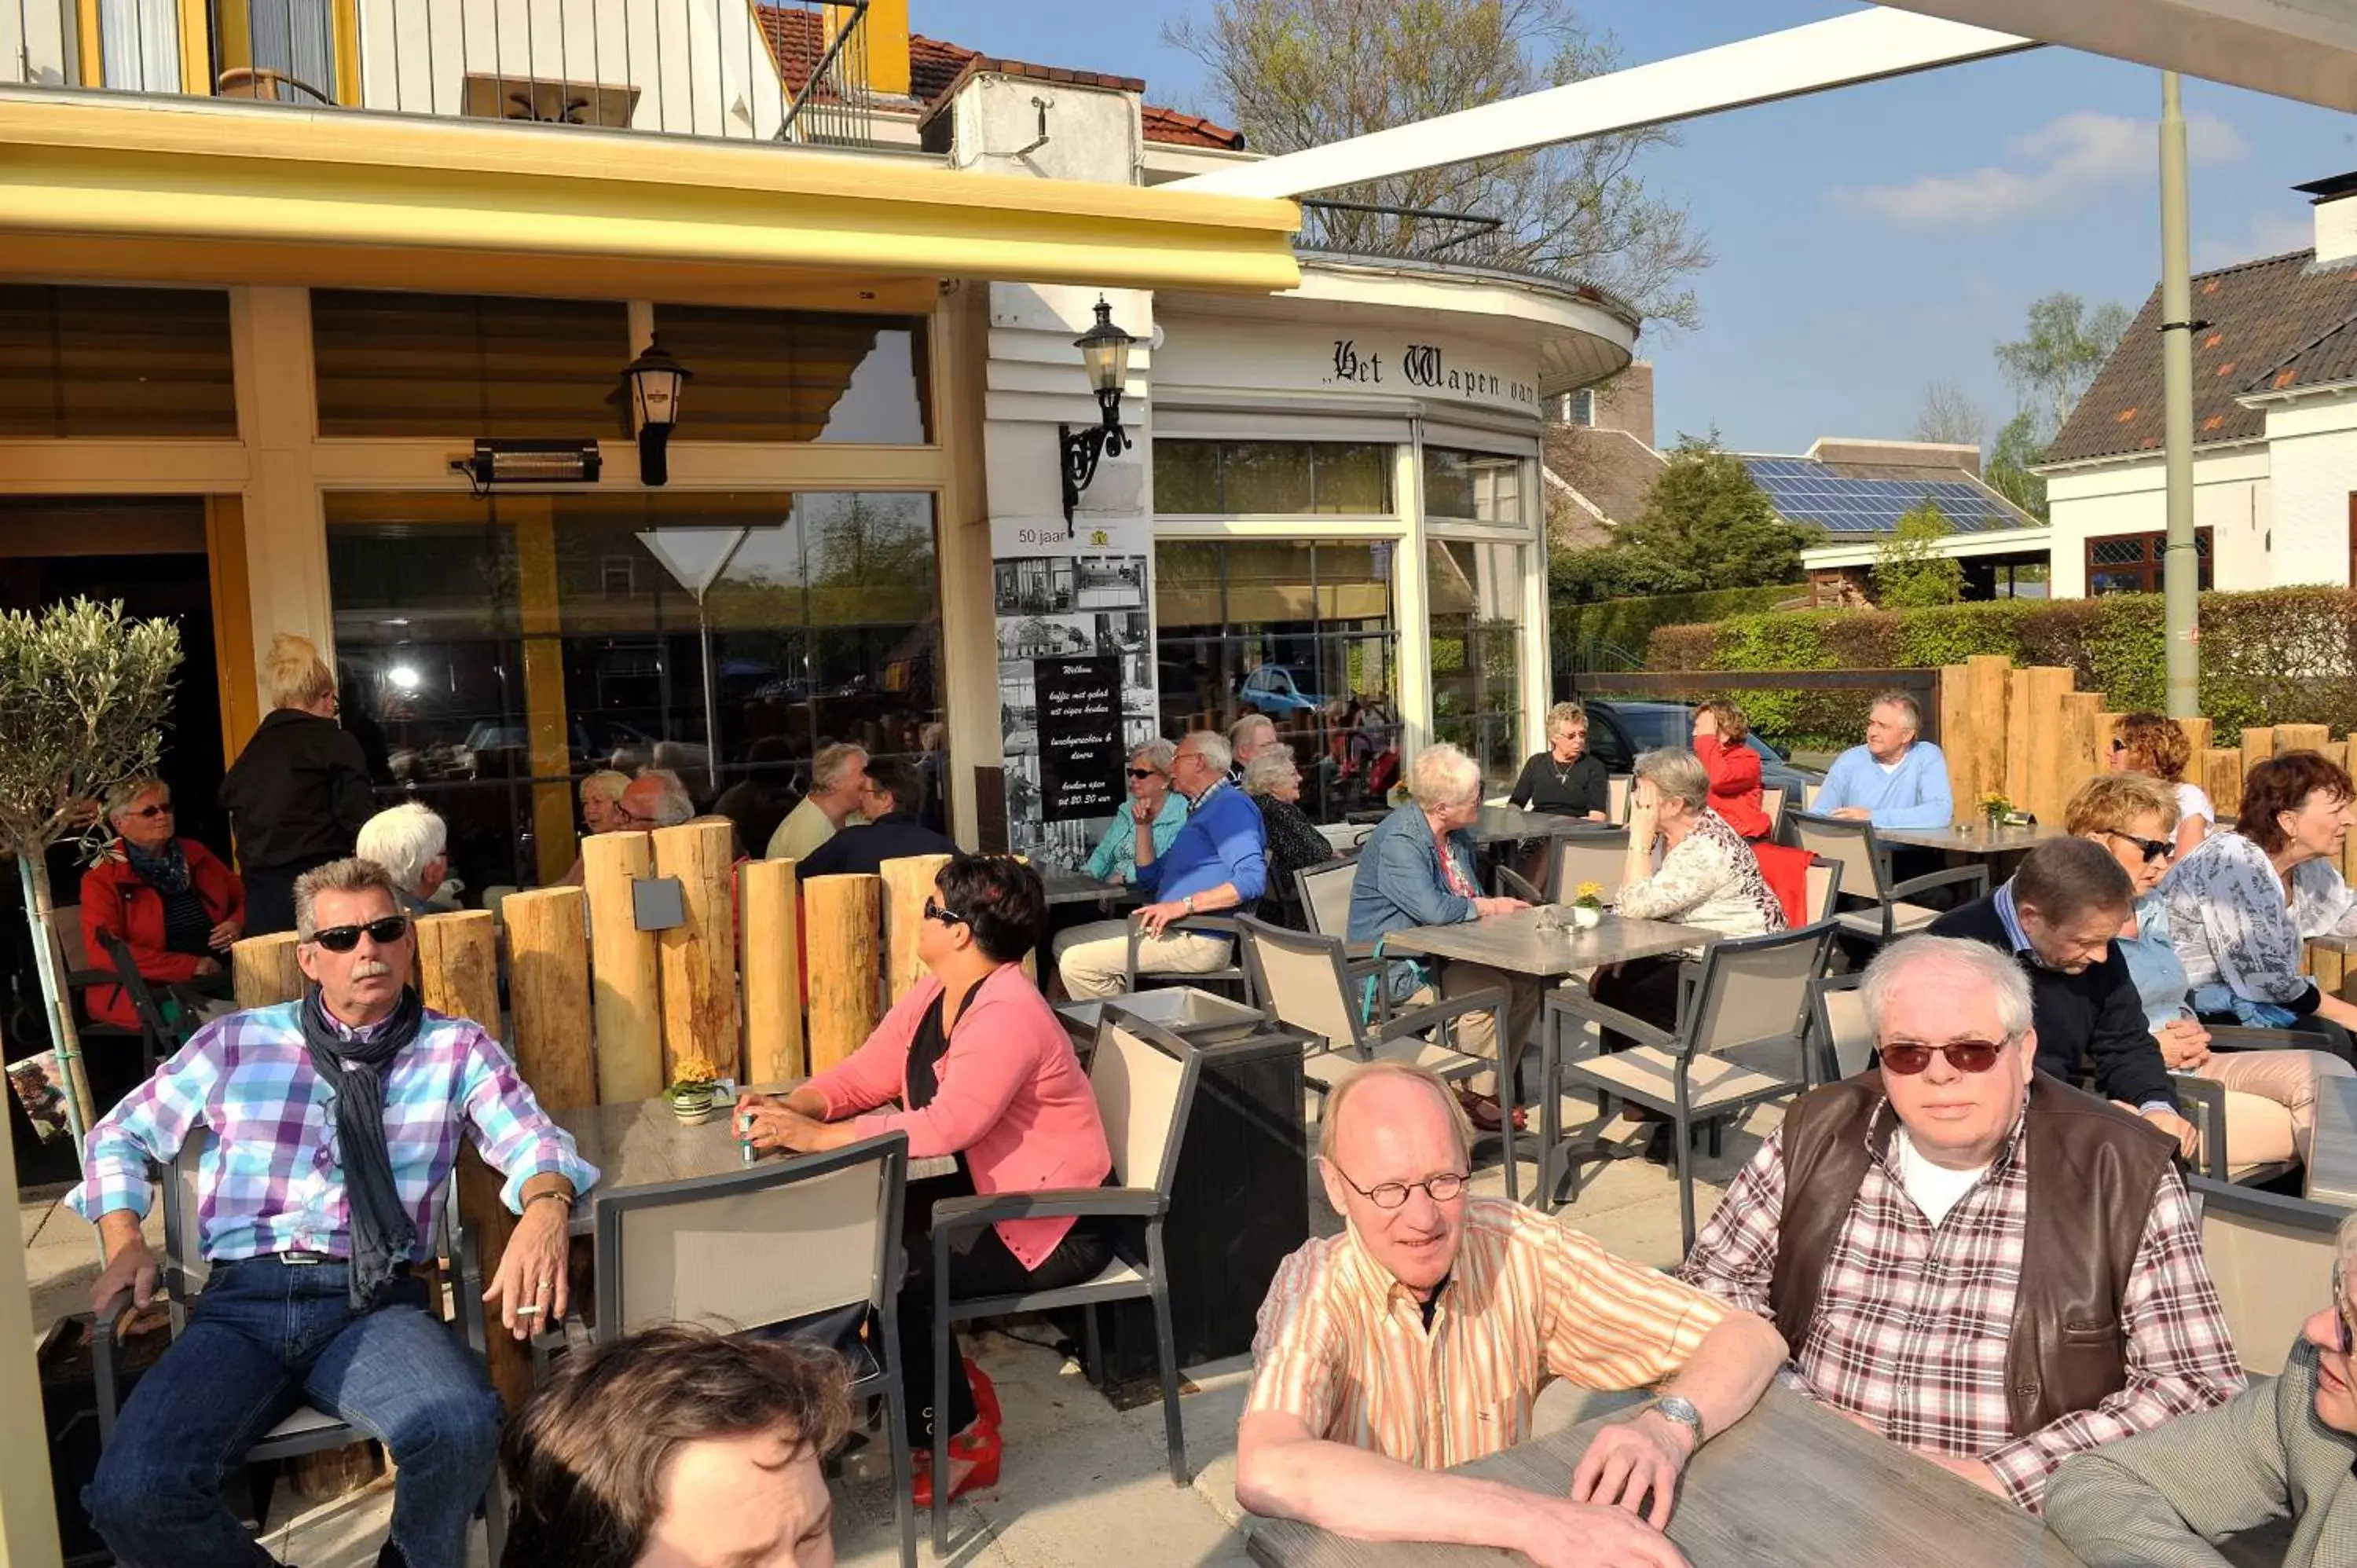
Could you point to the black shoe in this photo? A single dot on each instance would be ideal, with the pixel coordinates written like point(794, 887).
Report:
point(1661, 1146)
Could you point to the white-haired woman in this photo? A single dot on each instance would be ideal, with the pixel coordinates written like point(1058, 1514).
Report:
point(299, 793)
point(1566, 778)
point(1417, 869)
point(412, 844)
point(1273, 782)
point(1152, 805)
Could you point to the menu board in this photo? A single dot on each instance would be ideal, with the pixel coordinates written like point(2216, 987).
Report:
point(1081, 752)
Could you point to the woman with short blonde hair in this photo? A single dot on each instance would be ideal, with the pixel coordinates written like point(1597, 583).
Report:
point(1567, 778)
point(298, 794)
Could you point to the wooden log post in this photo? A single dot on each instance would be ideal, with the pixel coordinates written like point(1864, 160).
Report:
point(2197, 734)
point(2079, 755)
point(699, 957)
point(458, 966)
point(772, 967)
point(625, 990)
point(908, 883)
point(845, 916)
point(2218, 771)
point(2046, 766)
point(2259, 746)
point(1988, 687)
point(2107, 730)
point(1955, 736)
point(548, 994)
point(262, 971)
point(2301, 737)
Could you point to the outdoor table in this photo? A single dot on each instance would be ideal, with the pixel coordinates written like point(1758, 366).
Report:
point(1510, 824)
point(1971, 839)
point(1079, 887)
point(1519, 944)
point(2333, 942)
point(2332, 1155)
point(1790, 1486)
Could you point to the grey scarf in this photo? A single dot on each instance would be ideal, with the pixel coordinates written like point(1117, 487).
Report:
point(355, 1070)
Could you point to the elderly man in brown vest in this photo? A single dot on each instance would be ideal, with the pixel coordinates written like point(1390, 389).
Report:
point(1973, 1258)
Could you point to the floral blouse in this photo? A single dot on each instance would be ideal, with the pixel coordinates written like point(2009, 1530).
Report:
point(2230, 927)
point(1711, 879)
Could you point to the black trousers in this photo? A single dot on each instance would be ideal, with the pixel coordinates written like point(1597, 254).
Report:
point(270, 895)
point(1644, 988)
point(980, 1265)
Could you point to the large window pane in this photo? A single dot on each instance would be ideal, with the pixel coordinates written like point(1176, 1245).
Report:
point(800, 375)
point(1186, 477)
point(394, 364)
point(1474, 487)
point(1200, 478)
point(1477, 639)
point(1354, 479)
point(82, 362)
point(1264, 477)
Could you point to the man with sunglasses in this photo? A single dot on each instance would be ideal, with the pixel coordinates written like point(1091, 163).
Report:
point(1967, 1255)
point(1418, 1339)
point(335, 1123)
point(2286, 1447)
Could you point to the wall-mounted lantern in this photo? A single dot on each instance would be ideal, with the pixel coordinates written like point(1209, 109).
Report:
point(1104, 353)
point(651, 384)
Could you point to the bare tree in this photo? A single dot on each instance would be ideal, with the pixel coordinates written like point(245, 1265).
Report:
point(2054, 362)
point(1949, 414)
point(1293, 74)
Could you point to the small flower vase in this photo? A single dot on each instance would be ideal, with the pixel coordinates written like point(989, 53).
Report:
point(1996, 820)
point(1586, 917)
point(693, 1106)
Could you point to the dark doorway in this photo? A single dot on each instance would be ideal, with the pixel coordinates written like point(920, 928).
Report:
point(149, 553)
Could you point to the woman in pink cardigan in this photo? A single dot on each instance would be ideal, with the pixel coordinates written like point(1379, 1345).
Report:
point(980, 1067)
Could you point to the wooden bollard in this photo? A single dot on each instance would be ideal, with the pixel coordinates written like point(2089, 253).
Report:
point(262, 971)
point(625, 993)
point(458, 966)
point(2080, 752)
point(2301, 737)
point(1988, 691)
point(908, 883)
point(772, 967)
point(2218, 771)
point(2259, 746)
point(845, 916)
point(548, 994)
point(699, 958)
point(2047, 685)
point(2197, 734)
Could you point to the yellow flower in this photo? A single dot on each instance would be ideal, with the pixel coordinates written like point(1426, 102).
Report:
point(1592, 890)
point(695, 1070)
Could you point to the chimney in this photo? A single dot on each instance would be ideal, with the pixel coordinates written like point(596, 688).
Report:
point(2336, 217)
point(885, 34)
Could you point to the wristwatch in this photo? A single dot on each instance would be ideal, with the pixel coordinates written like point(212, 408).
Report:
point(1187, 903)
point(1669, 1407)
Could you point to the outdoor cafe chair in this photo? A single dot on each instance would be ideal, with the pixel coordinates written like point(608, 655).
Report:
point(1231, 973)
point(1619, 789)
point(1143, 1077)
point(1505, 881)
point(181, 1277)
point(1309, 984)
point(1772, 806)
point(1597, 857)
point(1324, 894)
point(1825, 877)
point(1841, 1041)
point(801, 1248)
point(160, 1036)
point(1745, 993)
point(1864, 861)
point(2269, 1255)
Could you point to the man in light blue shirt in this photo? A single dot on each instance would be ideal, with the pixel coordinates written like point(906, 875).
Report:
point(1893, 781)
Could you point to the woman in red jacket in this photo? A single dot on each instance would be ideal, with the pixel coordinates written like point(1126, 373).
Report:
point(1719, 728)
point(981, 1069)
point(171, 899)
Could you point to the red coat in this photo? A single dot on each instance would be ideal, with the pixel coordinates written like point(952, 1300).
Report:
point(114, 900)
point(1733, 784)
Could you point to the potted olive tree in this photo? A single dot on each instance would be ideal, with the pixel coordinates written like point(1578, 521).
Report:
point(83, 693)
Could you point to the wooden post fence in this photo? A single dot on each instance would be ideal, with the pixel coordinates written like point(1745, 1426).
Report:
point(844, 916)
point(774, 1048)
point(908, 883)
point(548, 994)
point(699, 958)
point(625, 988)
point(262, 971)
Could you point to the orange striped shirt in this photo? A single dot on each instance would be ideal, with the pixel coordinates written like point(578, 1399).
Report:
point(1343, 1344)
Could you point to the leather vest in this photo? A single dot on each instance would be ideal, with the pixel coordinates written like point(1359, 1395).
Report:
point(2092, 1170)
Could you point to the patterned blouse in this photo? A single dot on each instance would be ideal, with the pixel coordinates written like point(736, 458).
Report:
point(1711, 879)
point(2231, 926)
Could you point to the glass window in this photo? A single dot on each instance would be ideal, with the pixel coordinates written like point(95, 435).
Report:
point(470, 630)
point(2132, 563)
point(1472, 487)
point(1200, 479)
point(1186, 477)
point(1477, 640)
point(84, 362)
point(800, 375)
point(1301, 631)
point(452, 364)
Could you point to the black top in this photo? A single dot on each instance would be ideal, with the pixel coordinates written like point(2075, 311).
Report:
point(298, 791)
point(1570, 789)
point(865, 849)
point(2092, 1019)
point(187, 928)
point(925, 1054)
point(1293, 842)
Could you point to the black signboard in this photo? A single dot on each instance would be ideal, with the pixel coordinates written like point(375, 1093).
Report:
point(1079, 737)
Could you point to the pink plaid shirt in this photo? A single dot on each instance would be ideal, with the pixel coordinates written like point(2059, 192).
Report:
point(1913, 1319)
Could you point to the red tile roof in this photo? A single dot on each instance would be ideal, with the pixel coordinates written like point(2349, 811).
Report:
point(938, 67)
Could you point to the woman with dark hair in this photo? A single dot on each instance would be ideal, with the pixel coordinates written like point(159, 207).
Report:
point(2242, 905)
point(981, 1069)
point(2156, 746)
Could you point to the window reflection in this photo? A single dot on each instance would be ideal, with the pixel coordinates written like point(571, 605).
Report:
point(1245, 478)
point(800, 375)
point(1477, 639)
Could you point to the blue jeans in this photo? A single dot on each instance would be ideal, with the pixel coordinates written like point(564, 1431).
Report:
point(264, 1338)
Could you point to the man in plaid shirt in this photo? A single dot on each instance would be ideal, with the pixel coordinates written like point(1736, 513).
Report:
point(1978, 1262)
point(334, 1123)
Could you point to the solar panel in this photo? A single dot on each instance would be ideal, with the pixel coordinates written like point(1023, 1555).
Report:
point(1805, 492)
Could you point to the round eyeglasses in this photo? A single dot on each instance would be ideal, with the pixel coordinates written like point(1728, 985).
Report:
point(1446, 1187)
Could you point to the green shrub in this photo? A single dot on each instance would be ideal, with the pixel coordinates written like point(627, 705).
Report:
point(1629, 623)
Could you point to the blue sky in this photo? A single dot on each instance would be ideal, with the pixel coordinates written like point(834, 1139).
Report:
point(1869, 240)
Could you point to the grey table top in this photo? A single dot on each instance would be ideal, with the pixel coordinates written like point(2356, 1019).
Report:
point(1790, 1486)
point(641, 1143)
point(1972, 838)
point(1519, 945)
point(1506, 822)
point(2332, 1157)
point(1079, 887)
point(2334, 941)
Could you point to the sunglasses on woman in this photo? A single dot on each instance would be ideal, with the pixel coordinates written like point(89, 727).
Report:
point(344, 938)
point(161, 809)
point(1907, 1059)
point(1146, 773)
point(934, 911)
point(2154, 849)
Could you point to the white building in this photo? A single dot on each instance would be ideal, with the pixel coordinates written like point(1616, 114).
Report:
point(2274, 429)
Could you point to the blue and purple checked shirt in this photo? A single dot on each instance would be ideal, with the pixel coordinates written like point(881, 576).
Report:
point(274, 1181)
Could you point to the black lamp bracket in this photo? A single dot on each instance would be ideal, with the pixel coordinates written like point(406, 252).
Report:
point(1084, 447)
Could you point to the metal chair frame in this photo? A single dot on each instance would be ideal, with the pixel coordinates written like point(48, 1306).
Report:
point(1200, 925)
point(1886, 892)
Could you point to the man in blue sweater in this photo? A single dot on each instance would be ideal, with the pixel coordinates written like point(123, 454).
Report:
point(1218, 861)
point(1893, 781)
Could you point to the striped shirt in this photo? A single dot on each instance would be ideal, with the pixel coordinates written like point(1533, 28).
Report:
point(1913, 1319)
point(1343, 1346)
point(273, 1180)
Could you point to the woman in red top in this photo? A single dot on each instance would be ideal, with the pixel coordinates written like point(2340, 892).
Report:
point(171, 899)
point(1719, 728)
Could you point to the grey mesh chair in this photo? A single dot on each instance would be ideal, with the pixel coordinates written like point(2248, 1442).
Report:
point(2270, 1257)
point(160, 1036)
point(1823, 893)
point(775, 1243)
point(1864, 861)
point(1772, 806)
point(1230, 974)
point(1597, 857)
point(1841, 1042)
point(2204, 1100)
point(1309, 984)
point(1143, 1077)
point(1746, 994)
point(1619, 789)
point(1325, 897)
point(1505, 881)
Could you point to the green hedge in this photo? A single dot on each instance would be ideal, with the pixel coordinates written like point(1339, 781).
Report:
point(2276, 657)
point(1629, 623)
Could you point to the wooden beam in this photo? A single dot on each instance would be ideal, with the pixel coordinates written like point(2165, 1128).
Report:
point(458, 966)
point(2079, 756)
point(908, 883)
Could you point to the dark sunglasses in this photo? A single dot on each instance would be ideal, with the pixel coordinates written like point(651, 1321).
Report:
point(344, 938)
point(2154, 849)
point(934, 911)
point(1146, 773)
point(1965, 1055)
point(163, 811)
point(2118, 747)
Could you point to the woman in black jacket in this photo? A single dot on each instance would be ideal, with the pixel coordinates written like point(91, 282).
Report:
point(1273, 782)
point(299, 792)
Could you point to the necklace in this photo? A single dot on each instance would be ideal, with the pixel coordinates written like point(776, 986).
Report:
point(1563, 772)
